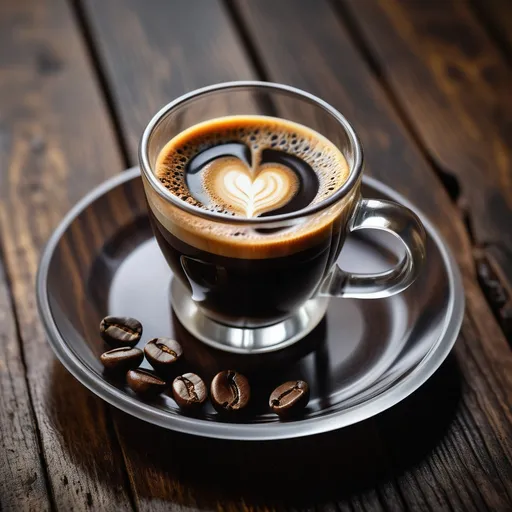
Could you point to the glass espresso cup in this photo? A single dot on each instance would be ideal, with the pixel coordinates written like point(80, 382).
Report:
point(259, 284)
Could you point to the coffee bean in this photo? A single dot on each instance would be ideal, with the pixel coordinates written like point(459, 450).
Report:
point(120, 331)
point(145, 383)
point(122, 359)
point(189, 390)
point(163, 354)
point(289, 398)
point(230, 391)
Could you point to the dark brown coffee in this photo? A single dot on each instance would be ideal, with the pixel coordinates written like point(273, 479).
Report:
point(250, 166)
point(120, 360)
point(120, 331)
point(164, 355)
point(145, 383)
point(189, 391)
point(230, 391)
point(290, 398)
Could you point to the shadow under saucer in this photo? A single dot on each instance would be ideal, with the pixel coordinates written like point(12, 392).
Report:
point(306, 471)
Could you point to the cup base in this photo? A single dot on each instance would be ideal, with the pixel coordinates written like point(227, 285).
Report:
point(244, 340)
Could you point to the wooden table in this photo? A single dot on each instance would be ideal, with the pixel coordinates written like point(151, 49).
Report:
point(428, 86)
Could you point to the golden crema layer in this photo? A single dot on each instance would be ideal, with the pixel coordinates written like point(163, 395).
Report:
point(257, 133)
point(235, 189)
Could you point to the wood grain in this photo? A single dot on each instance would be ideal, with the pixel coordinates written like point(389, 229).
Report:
point(163, 479)
point(22, 472)
point(446, 447)
point(157, 50)
point(327, 63)
point(496, 14)
point(497, 286)
point(57, 143)
point(153, 52)
point(454, 86)
point(331, 67)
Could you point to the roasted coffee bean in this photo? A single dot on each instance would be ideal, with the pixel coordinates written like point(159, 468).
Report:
point(163, 354)
point(145, 383)
point(230, 391)
point(120, 331)
point(289, 398)
point(122, 359)
point(189, 390)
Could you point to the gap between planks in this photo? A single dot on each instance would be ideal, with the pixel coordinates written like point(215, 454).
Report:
point(19, 341)
point(451, 183)
point(84, 28)
point(486, 20)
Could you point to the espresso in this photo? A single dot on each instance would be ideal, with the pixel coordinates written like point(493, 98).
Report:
point(250, 167)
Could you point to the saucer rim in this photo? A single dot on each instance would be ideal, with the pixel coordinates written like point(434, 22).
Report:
point(253, 432)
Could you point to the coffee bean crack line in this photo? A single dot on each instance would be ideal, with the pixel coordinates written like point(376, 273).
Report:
point(190, 389)
point(277, 401)
point(234, 389)
point(165, 348)
point(123, 328)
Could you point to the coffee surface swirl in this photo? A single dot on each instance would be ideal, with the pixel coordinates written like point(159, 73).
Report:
point(250, 166)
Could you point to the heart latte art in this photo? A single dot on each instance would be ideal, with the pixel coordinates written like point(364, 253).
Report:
point(246, 242)
point(237, 188)
point(251, 166)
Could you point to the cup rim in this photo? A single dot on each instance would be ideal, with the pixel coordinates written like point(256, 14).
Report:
point(354, 174)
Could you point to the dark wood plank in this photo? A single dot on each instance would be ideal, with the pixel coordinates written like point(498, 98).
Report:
point(164, 471)
point(57, 143)
point(497, 15)
point(22, 474)
point(153, 52)
point(460, 471)
point(454, 86)
point(331, 67)
point(496, 285)
point(157, 50)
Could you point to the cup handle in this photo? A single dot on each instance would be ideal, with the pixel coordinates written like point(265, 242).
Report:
point(400, 222)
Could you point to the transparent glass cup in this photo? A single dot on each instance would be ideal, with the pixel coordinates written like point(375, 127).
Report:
point(260, 284)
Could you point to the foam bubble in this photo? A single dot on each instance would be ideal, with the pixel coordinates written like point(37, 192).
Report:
point(232, 196)
point(257, 133)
